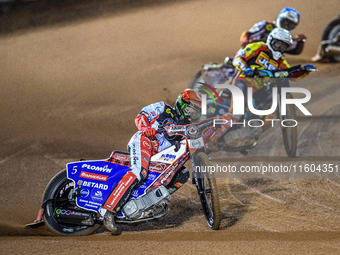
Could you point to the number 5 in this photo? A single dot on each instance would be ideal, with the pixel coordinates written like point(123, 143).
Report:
point(74, 170)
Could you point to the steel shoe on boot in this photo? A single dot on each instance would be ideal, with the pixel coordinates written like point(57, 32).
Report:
point(109, 223)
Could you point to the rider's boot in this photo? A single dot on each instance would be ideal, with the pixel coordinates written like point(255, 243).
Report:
point(109, 223)
point(319, 54)
point(117, 199)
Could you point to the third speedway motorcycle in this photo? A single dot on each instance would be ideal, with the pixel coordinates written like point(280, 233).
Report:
point(72, 200)
point(239, 138)
point(330, 42)
point(213, 74)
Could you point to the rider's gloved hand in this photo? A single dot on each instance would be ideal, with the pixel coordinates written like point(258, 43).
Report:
point(300, 38)
point(248, 71)
point(309, 68)
point(149, 132)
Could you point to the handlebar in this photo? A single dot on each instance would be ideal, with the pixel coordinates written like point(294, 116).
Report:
point(161, 129)
point(283, 73)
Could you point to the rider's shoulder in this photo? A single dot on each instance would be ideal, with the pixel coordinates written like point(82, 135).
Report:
point(155, 108)
point(160, 103)
point(260, 25)
point(255, 46)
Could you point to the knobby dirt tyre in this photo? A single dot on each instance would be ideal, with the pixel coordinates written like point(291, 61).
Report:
point(58, 188)
point(207, 190)
point(289, 134)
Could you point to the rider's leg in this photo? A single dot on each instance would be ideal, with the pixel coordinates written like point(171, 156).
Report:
point(140, 152)
point(320, 54)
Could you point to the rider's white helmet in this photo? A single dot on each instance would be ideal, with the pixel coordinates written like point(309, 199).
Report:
point(278, 42)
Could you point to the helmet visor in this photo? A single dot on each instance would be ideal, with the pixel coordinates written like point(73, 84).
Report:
point(191, 112)
point(287, 24)
point(280, 46)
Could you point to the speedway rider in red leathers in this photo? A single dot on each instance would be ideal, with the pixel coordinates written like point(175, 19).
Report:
point(287, 19)
point(145, 143)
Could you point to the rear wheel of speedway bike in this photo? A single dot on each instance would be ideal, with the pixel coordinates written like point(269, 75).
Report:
point(207, 190)
point(58, 189)
point(289, 133)
point(331, 32)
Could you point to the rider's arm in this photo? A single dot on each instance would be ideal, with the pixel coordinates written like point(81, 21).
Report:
point(257, 33)
point(239, 62)
point(149, 113)
point(142, 122)
point(299, 75)
point(283, 64)
point(297, 47)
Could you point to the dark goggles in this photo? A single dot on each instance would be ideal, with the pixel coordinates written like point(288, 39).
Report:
point(191, 112)
point(287, 24)
point(280, 46)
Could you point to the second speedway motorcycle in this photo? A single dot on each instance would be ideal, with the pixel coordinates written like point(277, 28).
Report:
point(72, 200)
point(330, 42)
point(239, 138)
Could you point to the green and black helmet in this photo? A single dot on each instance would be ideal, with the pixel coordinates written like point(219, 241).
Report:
point(188, 106)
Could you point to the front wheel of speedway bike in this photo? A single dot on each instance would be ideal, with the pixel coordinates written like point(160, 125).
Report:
point(207, 190)
point(289, 130)
point(60, 211)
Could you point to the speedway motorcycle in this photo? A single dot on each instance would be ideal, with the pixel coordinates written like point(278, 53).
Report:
point(330, 42)
point(213, 74)
point(240, 138)
point(73, 198)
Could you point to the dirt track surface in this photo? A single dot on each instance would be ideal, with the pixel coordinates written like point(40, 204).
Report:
point(72, 84)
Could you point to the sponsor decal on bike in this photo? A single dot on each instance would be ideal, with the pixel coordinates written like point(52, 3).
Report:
point(97, 196)
point(168, 157)
point(65, 188)
point(282, 74)
point(104, 169)
point(152, 177)
point(63, 211)
point(176, 129)
point(193, 130)
point(85, 193)
point(93, 185)
point(196, 144)
point(157, 167)
point(121, 157)
point(208, 132)
point(92, 176)
point(135, 193)
point(204, 125)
